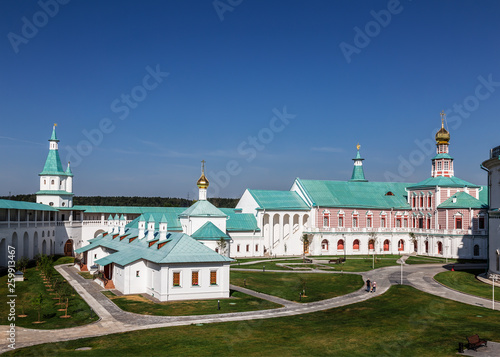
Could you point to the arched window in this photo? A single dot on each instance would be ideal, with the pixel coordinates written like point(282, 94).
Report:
point(355, 244)
point(52, 182)
point(389, 193)
point(401, 245)
point(427, 246)
point(324, 244)
point(476, 250)
point(340, 244)
point(386, 245)
point(440, 248)
point(371, 244)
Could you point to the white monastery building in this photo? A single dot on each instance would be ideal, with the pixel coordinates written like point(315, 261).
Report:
point(177, 253)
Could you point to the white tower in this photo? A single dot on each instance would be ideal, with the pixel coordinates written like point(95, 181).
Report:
point(202, 183)
point(56, 185)
point(493, 167)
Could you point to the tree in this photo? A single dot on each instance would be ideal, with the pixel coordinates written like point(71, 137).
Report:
point(37, 302)
point(222, 245)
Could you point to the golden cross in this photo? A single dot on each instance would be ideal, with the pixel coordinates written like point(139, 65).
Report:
point(55, 124)
point(203, 166)
point(358, 146)
point(443, 115)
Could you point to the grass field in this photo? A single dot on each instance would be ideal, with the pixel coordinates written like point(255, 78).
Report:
point(288, 286)
point(27, 290)
point(236, 303)
point(466, 282)
point(402, 322)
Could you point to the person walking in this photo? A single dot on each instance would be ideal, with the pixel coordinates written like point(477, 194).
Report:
point(368, 285)
point(374, 286)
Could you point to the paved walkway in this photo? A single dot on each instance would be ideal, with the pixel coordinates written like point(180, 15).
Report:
point(114, 320)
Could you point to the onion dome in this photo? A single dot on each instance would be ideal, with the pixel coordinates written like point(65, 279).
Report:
point(442, 136)
point(202, 181)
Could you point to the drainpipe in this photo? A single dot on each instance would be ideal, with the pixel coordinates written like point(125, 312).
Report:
point(489, 200)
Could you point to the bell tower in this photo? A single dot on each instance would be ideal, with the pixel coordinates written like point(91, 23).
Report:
point(442, 163)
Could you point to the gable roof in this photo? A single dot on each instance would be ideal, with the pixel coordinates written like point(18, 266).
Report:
point(209, 232)
point(203, 208)
point(240, 222)
point(442, 182)
point(278, 200)
point(356, 194)
point(177, 248)
point(462, 200)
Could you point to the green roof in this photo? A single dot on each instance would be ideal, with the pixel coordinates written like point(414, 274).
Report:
point(209, 232)
point(442, 181)
point(179, 248)
point(356, 194)
point(53, 137)
point(53, 164)
point(55, 192)
point(9, 204)
point(68, 171)
point(358, 174)
point(278, 200)
point(240, 222)
point(171, 214)
point(126, 209)
point(462, 200)
point(203, 208)
point(442, 156)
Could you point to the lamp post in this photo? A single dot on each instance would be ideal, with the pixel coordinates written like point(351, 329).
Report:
point(401, 271)
point(494, 277)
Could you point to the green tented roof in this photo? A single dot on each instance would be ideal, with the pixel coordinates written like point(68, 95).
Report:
point(358, 174)
point(462, 200)
point(442, 156)
point(53, 137)
point(442, 182)
point(9, 204)
point(203, 208)
point(68, 171)
point(54, 192)
point(209, 232)
point(53, 164)
point(356, 194)
point(179, 248)
point(278, 200)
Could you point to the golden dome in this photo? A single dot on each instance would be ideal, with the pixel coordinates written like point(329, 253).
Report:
point(442, 136)
point(202, 182)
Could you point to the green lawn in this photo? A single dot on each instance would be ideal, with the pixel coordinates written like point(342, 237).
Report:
point(236, 303)
point(31, 287)
point(288, 286)
point(402, 322)
point(466, 282)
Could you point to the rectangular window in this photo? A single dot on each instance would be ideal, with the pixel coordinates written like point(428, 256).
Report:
point(194, 278)
point(341, 221)
point(326, 221)
point(238, 248)
point(414, 201)
point(458, 223)
point(422, 201)
point(439, 165)
point(256, 247)
point(398, 222)
point(248, 247)
point(420, 223)
point(405, 222)
point(213, 277)
point(354, 222)
point(137, 273)
point(429, 202)
point(428, 223)
point(446, 165)
point(177, 279)
point(369, 222)
point(382, 222)
point(481, 222)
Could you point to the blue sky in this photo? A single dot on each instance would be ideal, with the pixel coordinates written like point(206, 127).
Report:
point(264, 91)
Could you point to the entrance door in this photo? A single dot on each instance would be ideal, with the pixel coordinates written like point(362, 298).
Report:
point(68, 248)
